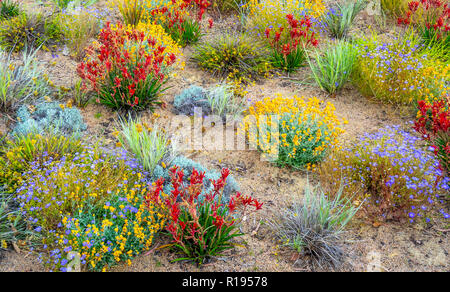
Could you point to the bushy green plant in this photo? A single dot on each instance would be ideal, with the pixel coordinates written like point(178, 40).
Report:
point(150, 145)
point(201, 227)
point(293, 131)
point(28, 31)
point(237, 57)
point(332, 69)
point(313, 226)
point(21, 153)
point(44, 116)
point(394, 8)
point(20, 83)
point(8, 9)
point(339, 19)
point(390, 169)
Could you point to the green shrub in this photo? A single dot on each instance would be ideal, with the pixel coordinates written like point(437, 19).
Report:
point(313, 226)
point(237, 57)
point(293, 131)
point(28, 31)
point(45, 116)
point(334, 68)
point(21, 83)
point(339, 20)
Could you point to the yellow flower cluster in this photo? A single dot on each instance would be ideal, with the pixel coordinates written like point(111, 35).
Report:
point(305, 130)
point(121, 235)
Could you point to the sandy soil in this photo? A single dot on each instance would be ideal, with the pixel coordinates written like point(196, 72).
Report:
point(389, 247)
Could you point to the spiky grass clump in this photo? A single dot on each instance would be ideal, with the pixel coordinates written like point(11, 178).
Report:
point(314, 225)
point(8, 9)
point(237, 57)
point(20, 83)
point(333, 69)
point(150, 145)
point(339, 20)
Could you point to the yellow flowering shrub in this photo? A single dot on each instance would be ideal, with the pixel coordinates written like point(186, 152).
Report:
point(298, 134)
point(271, 14)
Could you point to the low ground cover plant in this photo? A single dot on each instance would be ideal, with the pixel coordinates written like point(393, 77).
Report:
point(21, 153)
point(236, 57)
point(49, 116)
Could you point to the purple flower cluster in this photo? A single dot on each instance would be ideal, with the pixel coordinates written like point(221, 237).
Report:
point(400, 176)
